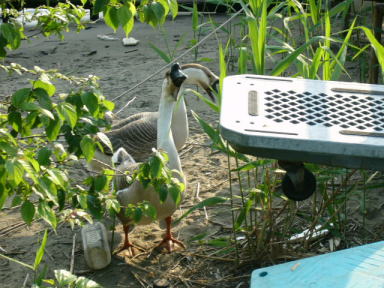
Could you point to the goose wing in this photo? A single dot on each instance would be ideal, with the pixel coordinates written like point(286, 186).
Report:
point(138, 137)
point(122, 122)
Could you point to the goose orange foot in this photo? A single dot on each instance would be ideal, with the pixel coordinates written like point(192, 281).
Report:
point(128, 247)
point(169, 242)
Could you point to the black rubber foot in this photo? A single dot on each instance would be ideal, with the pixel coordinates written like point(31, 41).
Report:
point(309, 187)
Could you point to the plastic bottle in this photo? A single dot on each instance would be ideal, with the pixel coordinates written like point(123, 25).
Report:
point(95, 244)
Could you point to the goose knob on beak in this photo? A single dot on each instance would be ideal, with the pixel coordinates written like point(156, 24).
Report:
point(177, 76)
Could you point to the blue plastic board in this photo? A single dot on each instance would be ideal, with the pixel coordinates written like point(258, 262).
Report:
point(358, 267)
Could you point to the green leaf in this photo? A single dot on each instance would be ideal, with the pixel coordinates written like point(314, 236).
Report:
point(138, 214)
point(205, 203)
point(174, 8)
point(8, 148)
point(176, 191)
point(105, 140)
point(27, 106)
point(14, 118)
point(58, 177)
point(68, 111)
point(126, 17)
point(64, 278)
point(94, 206)
point(43, 98)
point(29, 169)
point(20, 96)
point(61, 195)
point(40, 251)
point(150, 210)
point(3, 195)
point(27, 211)
point(156, 165)
point(91, 101)
point(113, 204)
point(163, 193)
point(53, 129)
point(111, 17)
point(48, 214)
point(44, 83)
point(109, 105)
point(15, 171)
point(99, 6)
point(83, 282)
point(10, 33)
point(87, 146)
point(43, 156)
point(100, 183)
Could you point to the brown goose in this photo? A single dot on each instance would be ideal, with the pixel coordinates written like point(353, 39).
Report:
point(136, 193)
point(137, 134)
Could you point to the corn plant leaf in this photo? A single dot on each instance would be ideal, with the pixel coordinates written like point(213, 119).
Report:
point(379, 49)
point(195, 17)
point(27, 211)
point(290, 58)
point(161, 53)
point(208, 129)
point(207, 101)
point(40, 251)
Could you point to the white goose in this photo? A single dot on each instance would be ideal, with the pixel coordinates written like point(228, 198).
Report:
point(136, 193)
point(137, 134)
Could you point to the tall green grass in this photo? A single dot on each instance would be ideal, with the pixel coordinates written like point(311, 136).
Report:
point(297, 39)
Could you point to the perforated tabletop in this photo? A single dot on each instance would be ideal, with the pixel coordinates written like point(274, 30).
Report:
point(326, 122)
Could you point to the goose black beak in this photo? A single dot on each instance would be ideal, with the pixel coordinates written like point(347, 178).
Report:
point(213, 90)
point(177, 76)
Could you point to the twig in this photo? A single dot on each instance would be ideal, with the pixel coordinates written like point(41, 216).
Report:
point(73, 254)
point(138, 279)
point(26, 280)
point(9, 229)
point(198, 198)
point(210, 257)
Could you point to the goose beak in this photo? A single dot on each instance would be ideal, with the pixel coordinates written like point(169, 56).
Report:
point(177, 76)
point(214, 87)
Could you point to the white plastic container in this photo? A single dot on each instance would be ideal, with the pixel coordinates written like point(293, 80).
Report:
point(95, 244)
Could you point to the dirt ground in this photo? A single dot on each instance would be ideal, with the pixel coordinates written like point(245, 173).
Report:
point(120, 68)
